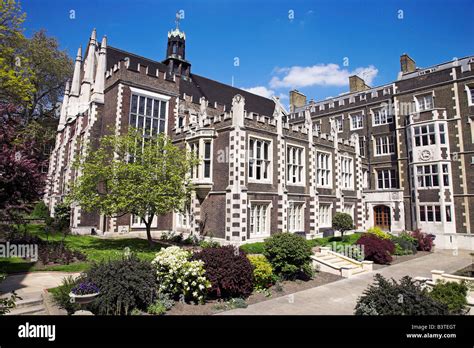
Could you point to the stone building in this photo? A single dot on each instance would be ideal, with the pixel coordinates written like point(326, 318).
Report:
point(416, 142)
point(266, 170)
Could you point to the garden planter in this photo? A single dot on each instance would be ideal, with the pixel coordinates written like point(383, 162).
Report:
point(83, 299)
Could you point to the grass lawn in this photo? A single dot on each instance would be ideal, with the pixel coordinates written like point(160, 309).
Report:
point(96, 249)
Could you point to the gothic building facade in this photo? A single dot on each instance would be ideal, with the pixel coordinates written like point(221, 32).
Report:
point(265, 170)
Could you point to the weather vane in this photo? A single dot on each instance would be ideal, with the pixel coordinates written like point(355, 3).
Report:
point(177, 20)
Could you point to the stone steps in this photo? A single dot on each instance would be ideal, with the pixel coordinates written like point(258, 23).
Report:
point(29, 305)
point(338, 264)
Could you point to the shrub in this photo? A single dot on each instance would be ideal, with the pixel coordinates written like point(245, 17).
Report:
point(452, 295)
point(424, 241)
point(342, 222)
point(157, 308)
point(57, 253)
point(165, 299)
point(403, 246)
point(253, 248)
point(208, 244)
point(178, 238)
point(378, 232)
point(61, 294)
point(229, 270)
point(124, 284)
point(385, 297)
point(376, 249)
point(289, 255)
point(60, 222)
point(179, 276)
point(191, 240)
point(40, 211)
point(262, 271)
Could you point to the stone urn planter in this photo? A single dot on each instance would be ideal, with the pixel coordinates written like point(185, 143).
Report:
point(83, 299)
point(84, 293)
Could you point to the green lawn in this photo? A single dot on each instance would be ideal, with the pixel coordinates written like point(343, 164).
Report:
point(96, 249)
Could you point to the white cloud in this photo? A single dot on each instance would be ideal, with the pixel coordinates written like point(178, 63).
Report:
point(321, 74)
point(260, 90)
point(265, 92)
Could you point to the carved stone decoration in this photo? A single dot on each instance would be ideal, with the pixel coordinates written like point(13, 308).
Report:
point(425, 155)
point(395, 195)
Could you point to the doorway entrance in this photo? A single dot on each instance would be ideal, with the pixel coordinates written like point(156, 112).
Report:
point(382, 217)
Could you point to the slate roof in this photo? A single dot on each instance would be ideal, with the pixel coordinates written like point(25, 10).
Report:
point(222, 94)
point(114, 55)
point(197, 86)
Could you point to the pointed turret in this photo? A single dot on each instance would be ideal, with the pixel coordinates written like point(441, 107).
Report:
point(64, 106)
point(99, 82)
point(76, 78)
point(75, 87)
point(88, 79)
point(89, 62)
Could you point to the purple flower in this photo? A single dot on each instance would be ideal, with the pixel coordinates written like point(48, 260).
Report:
point(85, 288)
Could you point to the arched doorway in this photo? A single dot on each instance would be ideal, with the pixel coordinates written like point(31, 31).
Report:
point(382, 217)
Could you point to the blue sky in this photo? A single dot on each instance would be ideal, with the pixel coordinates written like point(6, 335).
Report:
point(280, 45)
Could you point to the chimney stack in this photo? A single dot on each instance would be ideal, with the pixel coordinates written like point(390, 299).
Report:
point(357, 84)
point(297, 100)
point(407, 65)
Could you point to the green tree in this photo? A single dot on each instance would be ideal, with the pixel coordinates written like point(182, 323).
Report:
point(130, 174)
point(52, 67)
point(342, 222)
point(15, 72)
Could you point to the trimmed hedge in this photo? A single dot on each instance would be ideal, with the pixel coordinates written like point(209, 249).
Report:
point(289, 255)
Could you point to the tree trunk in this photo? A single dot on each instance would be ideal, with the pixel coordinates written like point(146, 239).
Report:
point(148, 230)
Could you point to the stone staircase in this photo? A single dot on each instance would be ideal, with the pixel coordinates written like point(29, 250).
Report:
point(31, 304)
point(330, 261)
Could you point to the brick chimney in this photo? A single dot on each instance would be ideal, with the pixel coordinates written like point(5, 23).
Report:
point(357, 84)
point(407, 65)
point(297, 100)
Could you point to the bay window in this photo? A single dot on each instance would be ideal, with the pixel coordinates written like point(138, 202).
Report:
point(427, 175)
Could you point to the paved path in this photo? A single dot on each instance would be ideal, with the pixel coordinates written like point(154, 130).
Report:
point(340, 297)
point(31, 284)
